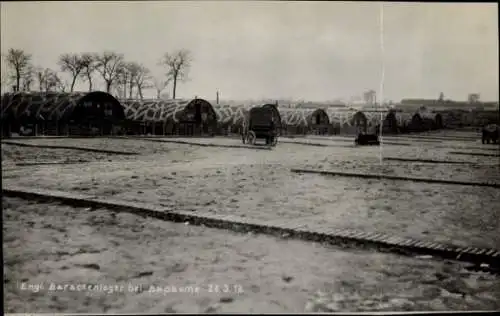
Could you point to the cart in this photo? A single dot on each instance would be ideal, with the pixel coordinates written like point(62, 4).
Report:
point(260, 124)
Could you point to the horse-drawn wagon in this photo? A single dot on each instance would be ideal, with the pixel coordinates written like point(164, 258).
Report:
point(491, 133)
point(261, 124)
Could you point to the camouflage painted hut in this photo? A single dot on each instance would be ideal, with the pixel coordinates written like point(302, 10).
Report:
point(304, 121)
point(409, 122)
point(230, 118)
point(170, 117)
point(485, 117)
point(374, 117)
point(457, 118)
point(347, 121)
point(55, 113)
point(431, 120)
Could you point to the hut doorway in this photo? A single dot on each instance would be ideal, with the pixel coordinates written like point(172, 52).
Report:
point(197, 113)
point(439, 121)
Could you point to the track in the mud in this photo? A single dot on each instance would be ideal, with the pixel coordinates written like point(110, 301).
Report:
point(473, 154)
point(261, 147)
point(382, 176)
point(429, 161)
point(315, 144)
point(381, 241)
point(95, 150)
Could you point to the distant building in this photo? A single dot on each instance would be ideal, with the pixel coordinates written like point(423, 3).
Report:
point(370, 97)
point(473, 98)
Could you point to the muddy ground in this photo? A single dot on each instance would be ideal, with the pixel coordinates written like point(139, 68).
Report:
point(142, 261)
point(256, 185)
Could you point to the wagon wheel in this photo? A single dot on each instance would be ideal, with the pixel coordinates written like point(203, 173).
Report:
point(274, 141)
point(251, 137)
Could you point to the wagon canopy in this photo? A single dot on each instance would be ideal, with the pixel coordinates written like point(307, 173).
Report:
point(56, 106)
point(276, 114)
point(177, 111)
point(261, 116)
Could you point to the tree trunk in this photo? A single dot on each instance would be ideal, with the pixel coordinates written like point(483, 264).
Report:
point(108, 86)
point(130, 88)
point(89, 77)
point(139, 90)
point(125, 87)
point(175, 86)
point(158, 94)
point(72, 84)
point(18, 80)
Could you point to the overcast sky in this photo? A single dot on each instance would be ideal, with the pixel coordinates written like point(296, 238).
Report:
point(251, 50)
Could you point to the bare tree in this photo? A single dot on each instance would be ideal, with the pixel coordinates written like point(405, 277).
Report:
point(6, 79)
point(61, 84)
point(127, 77)
point(41, 76)
point(178, 64)
point(441, 97)
point(121, 81)
point(48, 80)
point(142, 80)
point(19, 61)
point(89, 64)
point(109, 65)
point(160, 85)
point(27, 76)
point(72, 63)
point(132, 70)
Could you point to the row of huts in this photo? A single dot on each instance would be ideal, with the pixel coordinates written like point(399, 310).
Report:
point(99, 113)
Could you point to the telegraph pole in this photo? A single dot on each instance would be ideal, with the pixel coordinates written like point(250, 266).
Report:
point(217, 96)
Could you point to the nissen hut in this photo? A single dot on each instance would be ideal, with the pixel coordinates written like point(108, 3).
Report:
point(304, 121)
point(55, 113)
point(230, 118)
point(347, 121)
point(170, 117)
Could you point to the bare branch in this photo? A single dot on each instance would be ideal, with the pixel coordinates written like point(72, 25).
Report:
point(19, 63)
point(160, 85)
point(142, 79)
point(48, 80)
point(73, 64)
point(109, 65)
point(89, 63)
point(178, 65)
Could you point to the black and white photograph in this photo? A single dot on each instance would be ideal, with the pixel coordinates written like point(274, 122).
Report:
point(250, 157)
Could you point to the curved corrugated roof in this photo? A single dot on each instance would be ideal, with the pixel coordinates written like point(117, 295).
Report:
point(405, 118)
point(345, 117)
point(154, 110)
point(231, 114)
point(298, 117)
point(374, 117)
point(50, 105)
point(293, 117)
point(158, 110)
point(428, 115)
